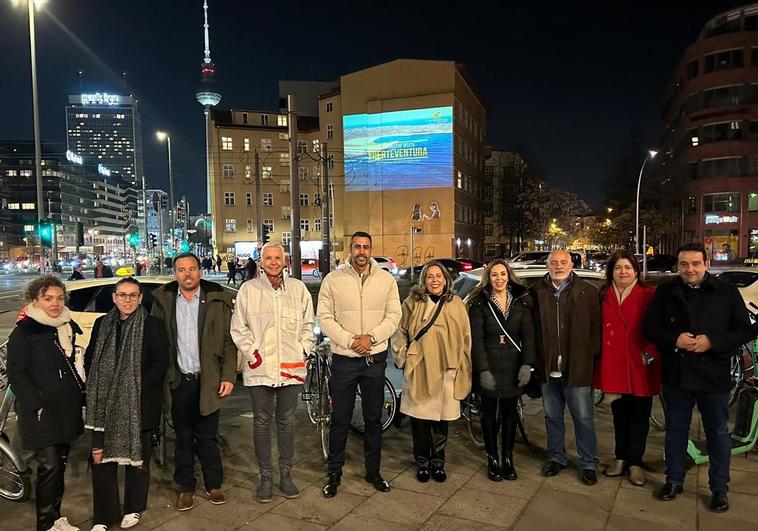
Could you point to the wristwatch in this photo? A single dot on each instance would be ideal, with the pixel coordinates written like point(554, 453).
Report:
point(374, 342)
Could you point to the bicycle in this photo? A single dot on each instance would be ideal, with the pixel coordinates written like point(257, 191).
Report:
point(657, 413)
point(471, 410)
point(316, 393)
point(389, 409)
point(15, 483)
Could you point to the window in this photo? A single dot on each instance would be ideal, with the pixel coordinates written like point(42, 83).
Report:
point(302, 147)
point(303, 199)
point(26, 173)
point(228, 171)
point(329, 106)
point(284, 188)
point(487, 190)
point(250, 225)
point(266, 172)
point(286, 238)
point(268, 199)
point(11, 173)
point(724, 167)
point(264, 119)
point(721, 203)
point(731, 95)
point(249, 198)
point(246, 143)
point(269, 223)
point(317, 224)
point(692, 69)
point(284, 136)
point(488, 229)
point(244, 119)
point(305, 225)
point(229, 198)
point(28, 206)
point(248, 172)
point(721, 132)
point(723, 60)
point(281, 120)
point(286, 212)
point(302, 172)
point(226, 143)
point(330, 161)
point(284, 159)
point(230, 225)
point(14, 206)
point(752, 201)
point(692, 205)
point(754, 57)
point(329, 132)
point(316, 146)
point(265, 144)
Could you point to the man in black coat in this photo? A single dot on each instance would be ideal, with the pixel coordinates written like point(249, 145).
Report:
point(697, 322)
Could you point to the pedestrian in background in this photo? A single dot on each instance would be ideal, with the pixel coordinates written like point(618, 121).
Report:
point(697, 322)
point(629, 368)
point(202, 370)
point(231, 272)
point(433, 346)
point(503, 352)
point(77, 273)
point(272, 326)
point(125, 362)
point(102, 270)
point(49, 392)
point(567, 311)
point(250, 269)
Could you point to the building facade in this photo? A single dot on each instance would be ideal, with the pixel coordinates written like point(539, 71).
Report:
point(710, 136)
point(503, 223)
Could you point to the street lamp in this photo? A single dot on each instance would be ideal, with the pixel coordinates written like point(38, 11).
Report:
point(162, 136)
point(650, 155)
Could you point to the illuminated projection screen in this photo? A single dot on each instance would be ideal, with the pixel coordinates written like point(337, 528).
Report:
point(399, 150)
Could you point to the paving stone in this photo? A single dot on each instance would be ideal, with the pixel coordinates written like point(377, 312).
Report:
point(240, 507)
point(529, 480)
point(559, 510)
point(400, 506)
point(185, 523)
point(457, 476)
point(603, 493)
point(351, 522)
point(313, 507)
point(627, 523)
point(270, 520)
point(741, 512)
point(443, 522)
point(641, 504)
point(484, 507)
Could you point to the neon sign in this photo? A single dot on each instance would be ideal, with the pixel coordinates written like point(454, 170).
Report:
point(102, 170)
point(100, 98)
point(74, 157)
point(714, 219)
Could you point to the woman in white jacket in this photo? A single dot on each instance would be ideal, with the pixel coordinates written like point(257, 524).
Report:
point(272, 326)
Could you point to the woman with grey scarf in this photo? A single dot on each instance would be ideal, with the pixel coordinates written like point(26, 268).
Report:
point(49, 391)
point(125, 363)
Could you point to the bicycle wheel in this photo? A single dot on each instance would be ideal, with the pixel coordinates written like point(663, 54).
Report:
point(325, 416)
point(521, 420)
point(471, 410)
point(597, 396)
point(389, 409)
point(738, 376)
point(658, 413)
point(311, 392)
point(15, 485)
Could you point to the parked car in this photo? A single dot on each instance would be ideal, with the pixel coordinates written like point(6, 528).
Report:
point(387, 263)
point(660, 263)
point(746, 280)
point(539, 258)
point(597, 260)
point(309, 266)
point(467, 280)
point(454, 265)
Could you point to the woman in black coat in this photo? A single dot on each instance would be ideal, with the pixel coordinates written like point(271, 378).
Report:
point(126, 361)
point(502, 353)
point(49, 392)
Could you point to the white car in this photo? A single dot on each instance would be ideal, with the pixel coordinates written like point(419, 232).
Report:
point(746, 280)
point(468, 279)
point(387, 263)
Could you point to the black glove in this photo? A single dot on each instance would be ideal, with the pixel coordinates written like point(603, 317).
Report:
point(524, 375)
point(487, 380)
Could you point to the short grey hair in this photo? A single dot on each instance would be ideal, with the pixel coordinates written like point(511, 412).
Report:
point(559, 251)
point(273, 245)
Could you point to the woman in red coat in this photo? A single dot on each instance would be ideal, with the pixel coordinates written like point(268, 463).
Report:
point(629, 366)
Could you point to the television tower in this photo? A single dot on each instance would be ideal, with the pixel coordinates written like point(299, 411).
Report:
point(208, 97)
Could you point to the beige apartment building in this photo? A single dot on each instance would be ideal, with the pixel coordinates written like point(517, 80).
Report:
point(406, 149)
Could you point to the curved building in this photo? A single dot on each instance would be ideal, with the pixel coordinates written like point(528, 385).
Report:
point(710, 135)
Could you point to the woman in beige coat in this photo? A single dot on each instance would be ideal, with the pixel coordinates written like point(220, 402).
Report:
point(437, 365)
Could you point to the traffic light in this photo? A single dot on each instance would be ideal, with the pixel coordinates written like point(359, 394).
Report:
point(152, 240)
point(184, 247)
point(45, 231)
point(133, 240)
point(265, 237)
point(79, 233)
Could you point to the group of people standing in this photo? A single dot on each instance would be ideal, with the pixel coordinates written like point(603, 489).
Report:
point(562, 335)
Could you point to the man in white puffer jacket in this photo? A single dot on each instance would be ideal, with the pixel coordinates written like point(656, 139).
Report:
point(272, 326)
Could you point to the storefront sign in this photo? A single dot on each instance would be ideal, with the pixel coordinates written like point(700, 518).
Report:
point(715, 219)
point(100, 98)
point(74, 157)
point(102, 170)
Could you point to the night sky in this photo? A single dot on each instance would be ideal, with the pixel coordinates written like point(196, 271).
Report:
point(572, 83)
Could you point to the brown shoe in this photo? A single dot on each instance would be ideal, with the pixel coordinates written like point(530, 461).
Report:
point(216, 496)
point(186, 501)
point(637, 476)
point(615, 469)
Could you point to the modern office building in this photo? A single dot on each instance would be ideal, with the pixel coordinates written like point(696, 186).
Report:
point(710, 135)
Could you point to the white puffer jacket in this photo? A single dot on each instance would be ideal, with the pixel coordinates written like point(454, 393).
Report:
point(348, 307)
point(274, 330)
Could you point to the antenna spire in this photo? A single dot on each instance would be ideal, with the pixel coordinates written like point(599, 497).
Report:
point(207, 59)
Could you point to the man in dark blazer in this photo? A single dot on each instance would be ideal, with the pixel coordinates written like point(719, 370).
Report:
point(697, 322)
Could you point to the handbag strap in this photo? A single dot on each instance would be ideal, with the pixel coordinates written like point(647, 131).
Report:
point(428, 325)
point(502, 327)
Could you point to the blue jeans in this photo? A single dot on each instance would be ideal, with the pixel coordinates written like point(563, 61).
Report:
point(714, 411)
point(556, 395)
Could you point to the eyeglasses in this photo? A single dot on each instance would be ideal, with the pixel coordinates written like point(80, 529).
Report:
point(130, 296)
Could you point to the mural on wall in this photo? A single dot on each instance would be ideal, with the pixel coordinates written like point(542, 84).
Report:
point(418, 215)
point(420, 255)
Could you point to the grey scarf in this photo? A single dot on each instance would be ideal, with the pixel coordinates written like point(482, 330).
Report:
point(114, 387)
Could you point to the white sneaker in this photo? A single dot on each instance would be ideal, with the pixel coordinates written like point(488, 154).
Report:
point(130, 520)
point(61, 524)
point(99, 527)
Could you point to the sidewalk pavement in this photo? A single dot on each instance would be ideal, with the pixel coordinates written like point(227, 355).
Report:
point(467, 501)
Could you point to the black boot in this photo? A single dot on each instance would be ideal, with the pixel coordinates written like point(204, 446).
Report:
point(493, 469)
point(508, 470)
point(509, 439)
point(489, 434)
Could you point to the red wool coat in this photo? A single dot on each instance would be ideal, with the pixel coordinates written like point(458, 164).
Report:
point(621, 368)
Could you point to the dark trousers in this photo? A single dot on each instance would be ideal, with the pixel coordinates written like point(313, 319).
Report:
point(714, 411)
point(195, 434)
point(347, 374)
point(631, 426)
point(264, 412)
point(105, 498)
point(429, 441)
point(497, 414)
point(51, 466)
